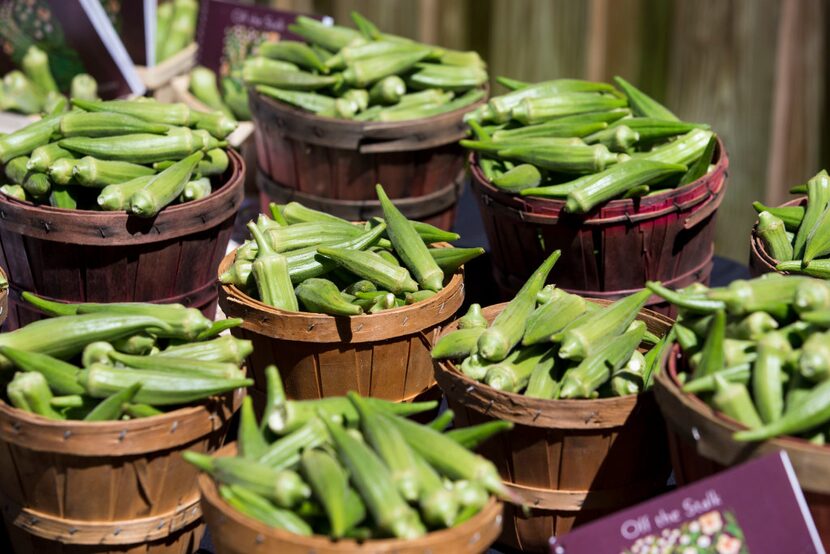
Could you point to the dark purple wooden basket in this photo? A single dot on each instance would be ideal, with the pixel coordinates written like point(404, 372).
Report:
point(89, 256)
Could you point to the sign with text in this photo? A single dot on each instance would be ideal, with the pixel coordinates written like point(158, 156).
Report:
point(754, 508)
point(229, 31)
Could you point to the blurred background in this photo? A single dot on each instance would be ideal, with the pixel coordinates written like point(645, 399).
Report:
point(753, 69)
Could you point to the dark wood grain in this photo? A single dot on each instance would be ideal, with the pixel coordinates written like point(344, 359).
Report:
point(78, 256)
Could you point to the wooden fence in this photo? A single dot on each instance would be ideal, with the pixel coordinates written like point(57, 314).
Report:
point(754, 69)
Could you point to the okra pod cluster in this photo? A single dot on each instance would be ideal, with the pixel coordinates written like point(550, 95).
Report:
point(310, 260)
point(547, 343)
point(585, 142)
point(132, 155)
point(366, 470)
point(798, 237)
point(363, 74)
point(758, 352)
point(118, 361)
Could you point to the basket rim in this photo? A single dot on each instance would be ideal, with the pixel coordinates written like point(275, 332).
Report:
point(210, 495)
point(721, 166)
point(541, 412)
point(368, 126)
point(15, 423)
point(234, 299)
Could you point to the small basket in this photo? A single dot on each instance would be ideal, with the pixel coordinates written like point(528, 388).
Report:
point(234, 533)
point(760, 261)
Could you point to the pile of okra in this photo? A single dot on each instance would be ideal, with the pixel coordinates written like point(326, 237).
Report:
point(798, 237)
point(585, 142)
point(758, 351)
point(551, 344)
point(175, 26)
point(305, 258)
point(364, 74)
point(34, 90)
point(232, 100)
point(134, 155)
point(99, 362)
point(354, 467)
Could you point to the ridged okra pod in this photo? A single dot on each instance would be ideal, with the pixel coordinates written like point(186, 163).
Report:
point(196, 190)
point(149, 110)
point(204, 86)
point(23, 141)
point(388, 90)
point(565, 158)
point(304, 263)
point(774, 235)
point(258, 507)
point(596, 369)
point(301, 235)
point(684, 150)
point(499, 108)
point(537, 110)
point(451, 259)
point(814, 360)
point(811, 411)
point(389, 445)
point(225, 348)
point(790, 215)
point(270, 270)
point(61, 376)
point(371, 266)
point(818, 198)
point(330, 37)
point(551, 317)
point(294, 52)
point(315, 103)
point(14, 191)
point(733, 399)
point(272, 73)
point(159, 388)
point(513, 373)
point(112, 407)
point(767, 383)
point(642, 104)
point(616, 180)
point(250, 439)
point(438, 504)
point(105, 124)
point(375, 484)
point(330, 485)
point(521, 177)
point(179, 365)
point(35, 65)
point(772, 293)
point(164, 188)
point(409, 246)
point(542, 382)
point(92, 172)
point(473, 436)
point(30, 392)
point(740, 373)
point(445, 77)
point(218, 124)
point(458, 344)
point(323, 296)
point(473, 318)
point(115, 197)
point(816, 268)
point(508, 327)
point(44, 156)
point(138, 148)
point(593, 331)
point(83, 87)
point(65, 337)
point(60, 172)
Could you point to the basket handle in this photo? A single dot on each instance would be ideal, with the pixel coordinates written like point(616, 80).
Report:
point(710, 204)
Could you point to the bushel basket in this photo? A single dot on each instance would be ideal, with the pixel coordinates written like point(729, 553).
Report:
point(384, 355)
point(701, 444)
point(234, 533)
point(571, 461)
point(90, 256)
point(115, 486)
point(333, 165)
point(610, 252)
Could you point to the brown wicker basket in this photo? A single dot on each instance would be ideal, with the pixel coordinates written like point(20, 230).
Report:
point(701, 444)
point(572, 461)
point(333, 164)
point(234, 533)
point(114, 486)
point(90, 256)
point(385, 355)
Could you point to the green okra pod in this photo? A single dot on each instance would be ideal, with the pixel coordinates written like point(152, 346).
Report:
point(250, 440)
point(272, 73)
point(458, 344)
point(768, 384)
point(29, 391)
point(136, 148)
point(83, 87)
point(112, 407)
point(330, 485)
point(684, 150)
point(105, 124)
point(446, 77)
point(92, 172)
point(149, 110)
point(315, 103)
point(513, 373)
point(225, 348)
point(330, 37)
point(116, 197)
point(713, 357)
point(816, 268)
point(61, 171)
point(733, 399)
point(270, 270)
point(700, 167)
point(564, 158)
point(790, 215)
point(44, 156)
point(508, 327)
point(616, 180)
point(388, 90)
point(551, 317)
point(163, 188)
point(531, 111)
point(371, 266)
point(773, 233)
point(23, 141)
point(818, 198)
point(473, 436)
point(14, 191)
point(322, 296)
point(473, 318)
point(294, 52)
point(35, 65)
point(740, 373)
point(204, 86)
point(590, 334)
point(179, 365)
point(61, 376)
point(642, 104)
